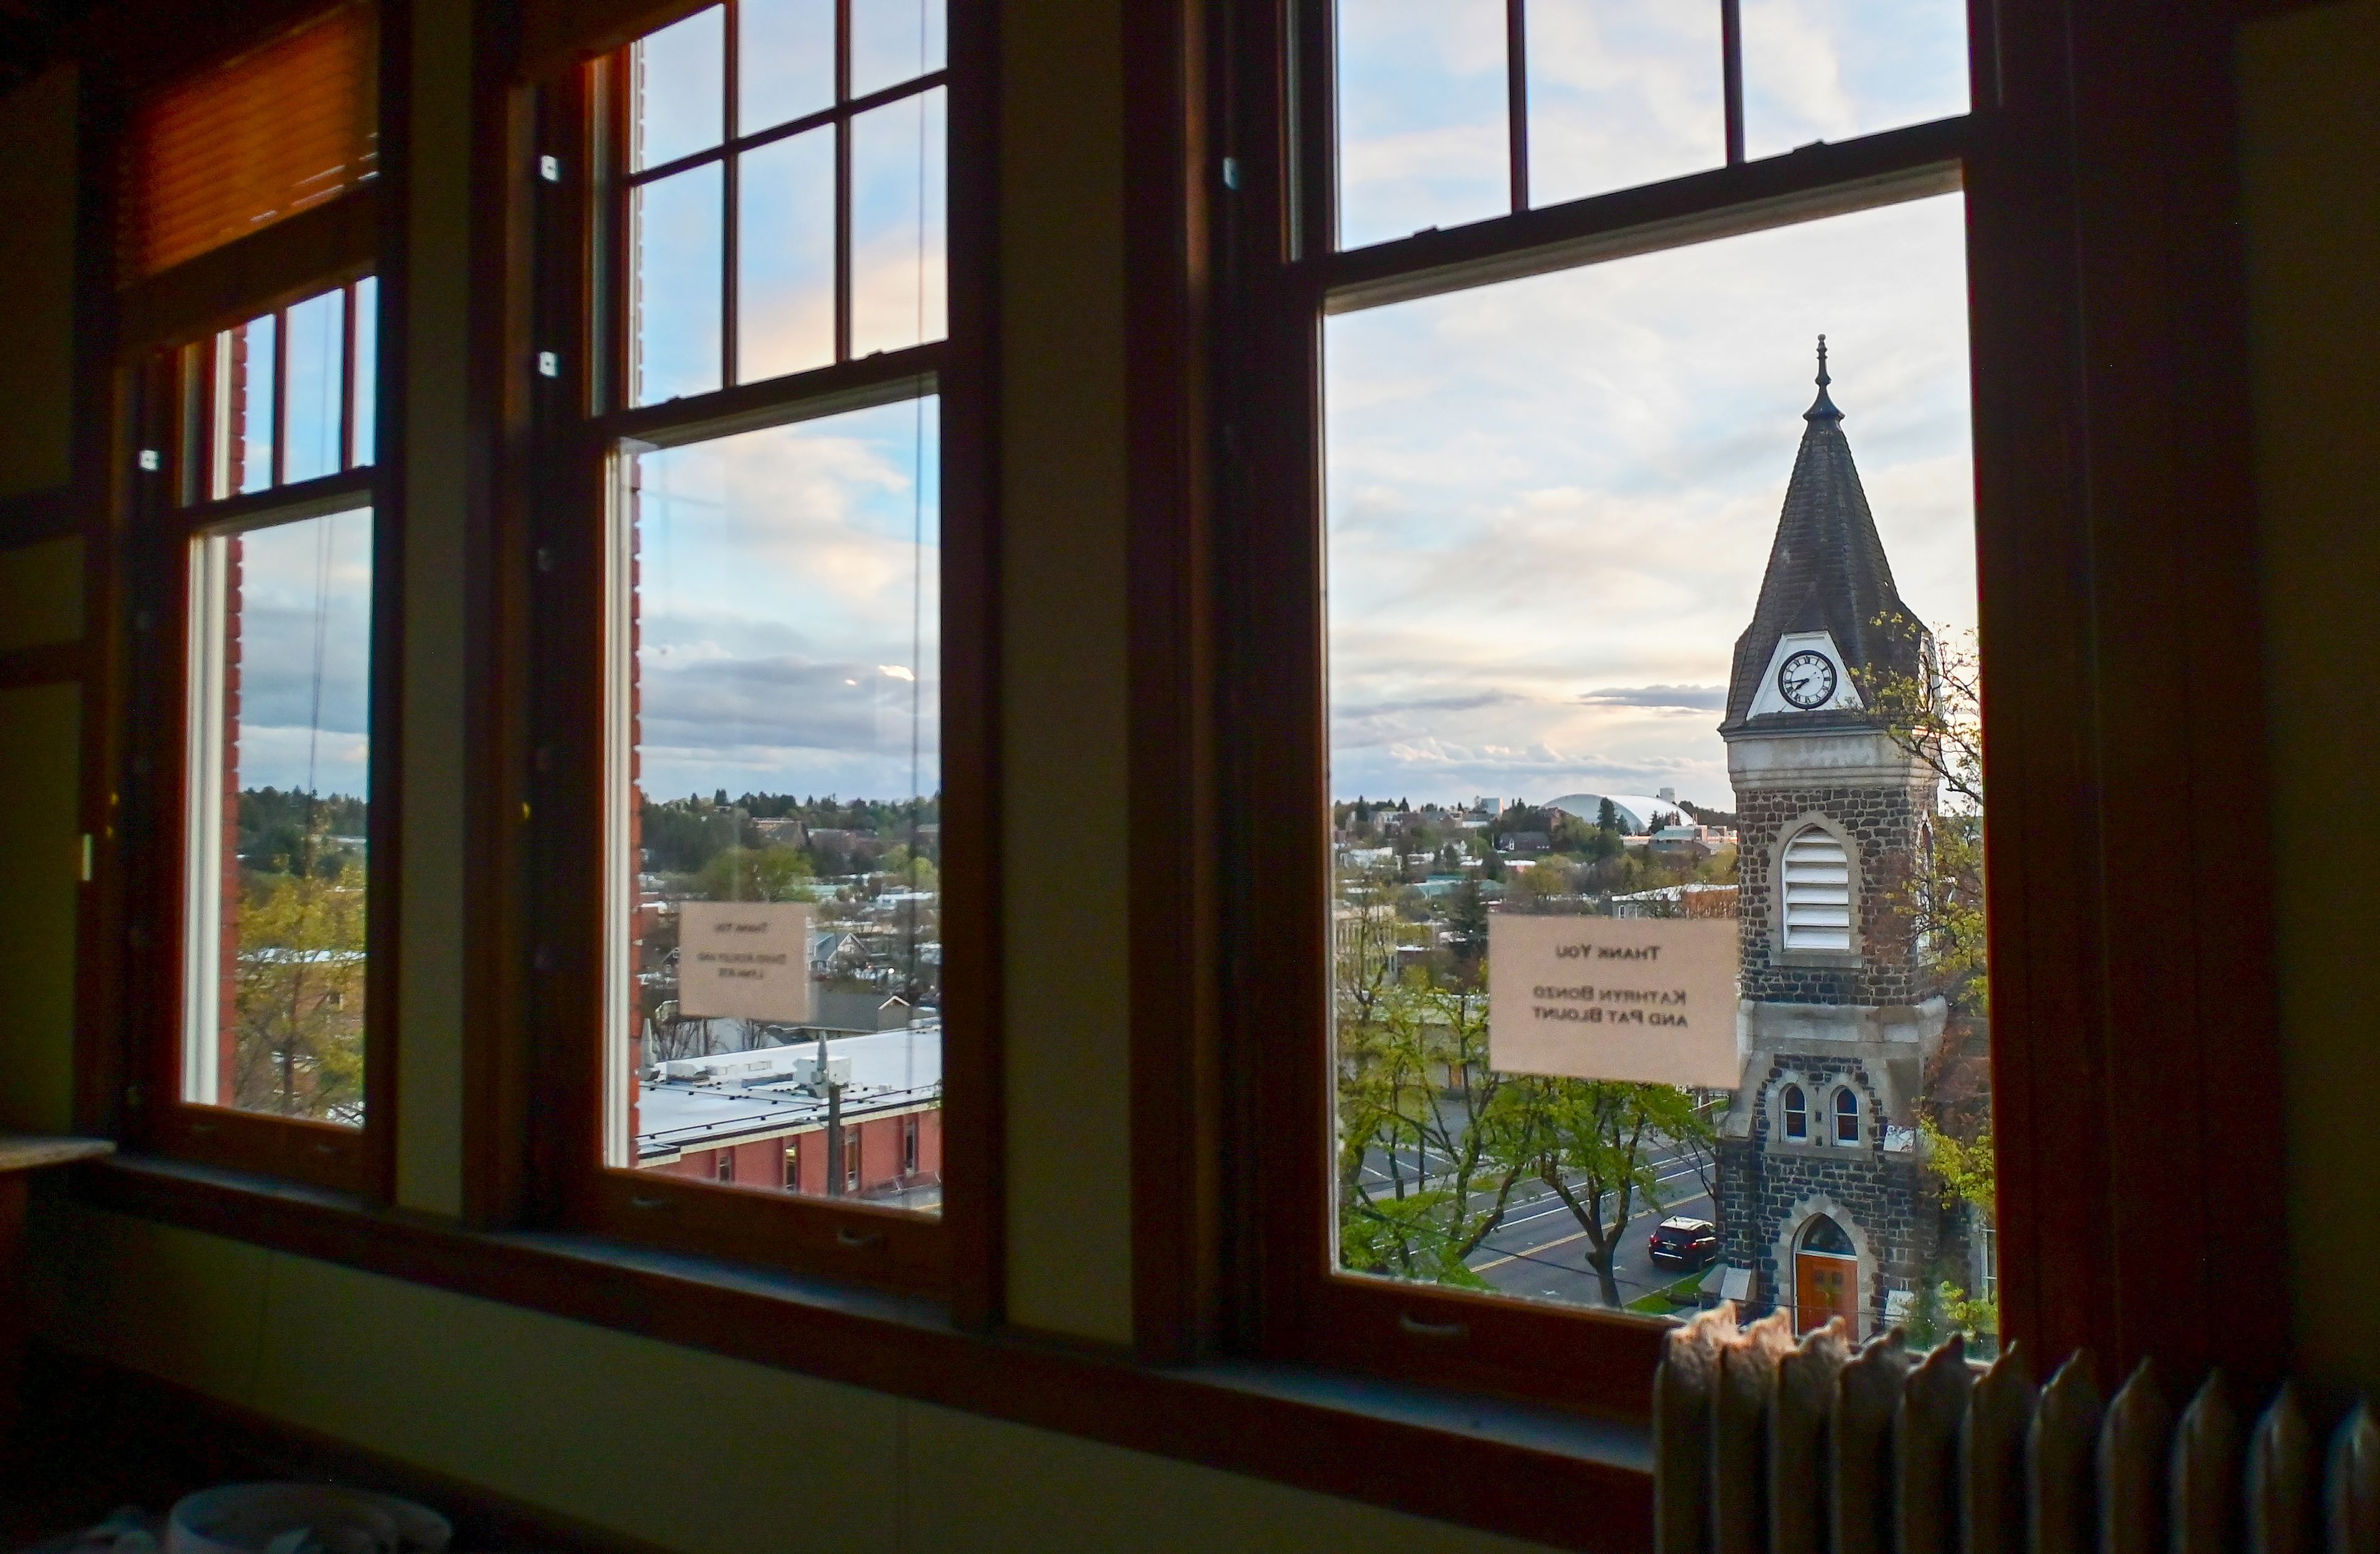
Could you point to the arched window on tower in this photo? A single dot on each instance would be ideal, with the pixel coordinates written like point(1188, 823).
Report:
point(1847, 1118)
point(1816, 892)
point(1796, 1107)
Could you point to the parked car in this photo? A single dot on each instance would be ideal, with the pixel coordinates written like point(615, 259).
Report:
point(1687, 1243)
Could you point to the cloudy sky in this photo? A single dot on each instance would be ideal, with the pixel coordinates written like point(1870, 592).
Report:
point(1551, 501)
point(790, 604)
point(306, 585)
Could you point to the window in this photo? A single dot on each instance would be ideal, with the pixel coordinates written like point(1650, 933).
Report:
point(1533, 361)
point(722, 1164)
point(254, 541)
point(909, 1145)
point(767, 419)
point(1847, 1117)
point(784, 191)
point(1816, 899)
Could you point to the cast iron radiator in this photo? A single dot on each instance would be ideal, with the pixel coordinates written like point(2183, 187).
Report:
point(1766, 1446)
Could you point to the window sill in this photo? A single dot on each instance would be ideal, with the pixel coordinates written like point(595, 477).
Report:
point(1567, 1479)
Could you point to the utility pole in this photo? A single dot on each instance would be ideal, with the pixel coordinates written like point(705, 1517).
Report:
point(834, 1123)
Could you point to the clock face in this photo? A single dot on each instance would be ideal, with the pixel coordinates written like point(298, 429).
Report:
point(1807, 680)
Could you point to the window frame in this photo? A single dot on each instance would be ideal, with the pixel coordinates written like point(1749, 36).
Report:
point(569, 290)
point(141, 562)
point(2077, 142)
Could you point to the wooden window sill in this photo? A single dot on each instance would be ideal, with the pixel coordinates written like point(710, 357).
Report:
point(1567, 1479)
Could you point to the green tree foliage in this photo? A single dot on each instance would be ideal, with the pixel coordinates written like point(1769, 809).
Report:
point(1593, 1144)
point(298, 995)
point(281, 832)
point(754, 874)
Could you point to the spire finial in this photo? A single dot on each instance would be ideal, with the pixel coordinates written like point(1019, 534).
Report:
point(1822, 408)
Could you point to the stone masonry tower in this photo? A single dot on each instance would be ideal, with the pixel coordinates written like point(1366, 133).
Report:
point(1819, 1177)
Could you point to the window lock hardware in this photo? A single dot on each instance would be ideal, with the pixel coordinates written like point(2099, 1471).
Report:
point(151, 460)
point(1231, 172)
point(549, 364)
point(550, 169)
point(1449, 1332)
point(859, 1241)
point(643, 1200)
point(545, 558)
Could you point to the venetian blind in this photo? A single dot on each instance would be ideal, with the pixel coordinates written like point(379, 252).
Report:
point(282, 128)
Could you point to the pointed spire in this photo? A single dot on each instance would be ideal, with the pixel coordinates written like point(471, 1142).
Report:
point(1822, 408)
point(1827, 569)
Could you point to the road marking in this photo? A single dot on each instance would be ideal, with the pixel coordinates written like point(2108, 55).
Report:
point(1533, 1251)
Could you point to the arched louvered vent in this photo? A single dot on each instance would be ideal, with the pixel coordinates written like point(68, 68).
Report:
point(1816, 894)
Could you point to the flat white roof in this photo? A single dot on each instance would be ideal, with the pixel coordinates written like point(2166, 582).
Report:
point(891, 1071)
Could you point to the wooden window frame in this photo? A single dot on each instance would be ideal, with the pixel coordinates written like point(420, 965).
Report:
point(566, 294)
point(130, 982)
point(2116, 535)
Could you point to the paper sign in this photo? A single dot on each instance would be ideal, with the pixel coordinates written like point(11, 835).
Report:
point(750, 959)
point(1645, 1000)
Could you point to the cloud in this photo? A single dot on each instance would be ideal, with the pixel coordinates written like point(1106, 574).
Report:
point(1689, 698)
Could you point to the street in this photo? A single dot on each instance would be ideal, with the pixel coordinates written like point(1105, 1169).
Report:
point(1539, 1251)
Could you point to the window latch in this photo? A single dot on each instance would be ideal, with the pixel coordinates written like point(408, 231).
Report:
point(550, 169)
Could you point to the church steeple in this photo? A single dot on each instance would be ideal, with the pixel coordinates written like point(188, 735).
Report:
point(1826, 575)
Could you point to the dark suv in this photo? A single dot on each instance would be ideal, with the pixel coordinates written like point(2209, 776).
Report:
point(1689, 1244)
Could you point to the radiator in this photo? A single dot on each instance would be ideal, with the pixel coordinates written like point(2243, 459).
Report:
point(1764, 1445)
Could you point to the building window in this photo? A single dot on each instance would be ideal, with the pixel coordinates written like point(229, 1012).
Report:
point(792, 1182)
point(1847, 1116)
point(852, 1176)
point(1797, 1113)
point(909, 1145)
point(722, 1163)
point(1815, 905)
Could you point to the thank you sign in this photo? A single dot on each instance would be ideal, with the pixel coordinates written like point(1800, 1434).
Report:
point(750, 959)
point(1645, 1000)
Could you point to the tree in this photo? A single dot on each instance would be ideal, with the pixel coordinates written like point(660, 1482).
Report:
point(1415, 1088)
point(1592, 1143)
point(298, 996)
point(754, 874)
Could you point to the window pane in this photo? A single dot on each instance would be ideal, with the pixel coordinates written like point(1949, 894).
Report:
point(784, 61)
point(776, 894)
point(893, 41)
point(784, 296)
point(317, 330)
point(1421, 133)
point(279, 738)
point(679, 86)
point(1618, 611)
point(1830, 69)
point(1621, 94)
point(243, 409)
point(676, 225)
point(897, 202)
point(367, 428)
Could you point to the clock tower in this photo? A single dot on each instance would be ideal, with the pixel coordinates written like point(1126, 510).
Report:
point(1819, 1184)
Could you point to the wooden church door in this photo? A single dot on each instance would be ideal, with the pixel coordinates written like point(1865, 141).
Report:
point(1824, 1286)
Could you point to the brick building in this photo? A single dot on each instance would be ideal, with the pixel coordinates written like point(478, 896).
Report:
point(1820, 1186)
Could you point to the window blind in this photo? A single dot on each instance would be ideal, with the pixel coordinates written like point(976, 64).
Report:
point(284, 127)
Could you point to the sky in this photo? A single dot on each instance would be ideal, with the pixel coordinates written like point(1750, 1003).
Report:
point(1551, 501)
point(302, 585)
point(790, 602)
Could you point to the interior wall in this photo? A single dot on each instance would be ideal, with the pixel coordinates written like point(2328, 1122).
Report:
point(643, 1438)
point(2310, 99)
